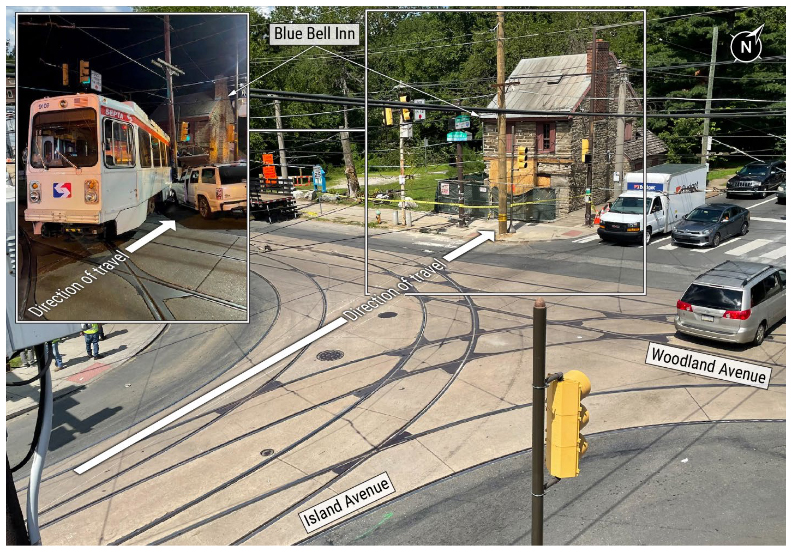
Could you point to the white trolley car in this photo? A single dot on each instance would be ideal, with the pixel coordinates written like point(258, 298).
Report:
point(95, 165)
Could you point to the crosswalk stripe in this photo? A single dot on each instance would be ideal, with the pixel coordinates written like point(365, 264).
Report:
point(775, 254)
point(763, 219)
point(668, 247)
point(747, 247)
point(587, 239)
point(660, 240)
point(724, 243)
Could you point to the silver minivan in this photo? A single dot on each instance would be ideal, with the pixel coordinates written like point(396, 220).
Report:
point(735, 302)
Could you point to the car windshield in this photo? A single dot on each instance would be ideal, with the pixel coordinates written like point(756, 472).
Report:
point(233, 174)
point(629, 205)
point(704, 215)
point(754, 170)
point(64, 139)
point(713, 297)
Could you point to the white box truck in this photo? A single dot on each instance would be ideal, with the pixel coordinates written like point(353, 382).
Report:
point(671, 191)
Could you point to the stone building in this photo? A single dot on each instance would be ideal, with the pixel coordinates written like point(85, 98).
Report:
point(208, 114)
point(553, 143)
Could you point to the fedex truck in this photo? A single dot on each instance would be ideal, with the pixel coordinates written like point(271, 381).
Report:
point(671, 192)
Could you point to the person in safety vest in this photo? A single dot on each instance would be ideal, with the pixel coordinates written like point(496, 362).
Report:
point(91, 333)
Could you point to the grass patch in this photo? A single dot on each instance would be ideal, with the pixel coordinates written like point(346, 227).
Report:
point(725, 172)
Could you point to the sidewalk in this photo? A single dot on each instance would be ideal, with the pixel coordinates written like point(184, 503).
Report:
point(568, 226)
point(123, 341)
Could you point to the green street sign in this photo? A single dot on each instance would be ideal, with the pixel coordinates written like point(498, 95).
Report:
point(459, 136)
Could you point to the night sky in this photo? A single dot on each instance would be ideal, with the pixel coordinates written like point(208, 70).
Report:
point(203, 46)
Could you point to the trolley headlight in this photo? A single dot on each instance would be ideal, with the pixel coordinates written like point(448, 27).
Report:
point(35, 192)
point(91, 191)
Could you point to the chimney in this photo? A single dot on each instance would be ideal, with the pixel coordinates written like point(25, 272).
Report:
point(220, 87)
point(600, 80)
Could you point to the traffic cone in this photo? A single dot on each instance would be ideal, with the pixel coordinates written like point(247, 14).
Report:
point(597, 220)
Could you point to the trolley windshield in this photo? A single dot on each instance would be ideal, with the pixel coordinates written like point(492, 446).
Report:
point(64, 139)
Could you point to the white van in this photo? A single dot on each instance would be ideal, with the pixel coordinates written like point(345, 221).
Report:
point(671, 191)
point(212, 189)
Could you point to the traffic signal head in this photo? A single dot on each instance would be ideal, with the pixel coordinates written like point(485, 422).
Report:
point(183, 133)
point(566, 415)
point(404, 112)
point(586, 154)
point(65, 74)
point(521, 160)
point(388, 116)
point(85, 72)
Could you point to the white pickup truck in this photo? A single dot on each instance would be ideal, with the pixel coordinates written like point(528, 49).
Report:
point(671, 191)
point(212, 189)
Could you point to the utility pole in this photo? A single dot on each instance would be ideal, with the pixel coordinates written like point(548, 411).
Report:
point(236, 110)
point(280, 143)
point(539, 392)
point(402, 174)
point(704, 150)
point(351, 172)
point(502, 168)
point(591, 132)
point(169, 77)
point(15, 529)
point(620, 128)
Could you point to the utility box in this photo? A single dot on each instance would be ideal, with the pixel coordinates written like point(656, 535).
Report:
point(22, 336)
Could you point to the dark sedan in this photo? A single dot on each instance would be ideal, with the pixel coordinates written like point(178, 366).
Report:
point(710, 224)
point(757, 178)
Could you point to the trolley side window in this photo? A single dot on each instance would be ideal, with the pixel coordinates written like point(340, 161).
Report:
point(119, 144)
point(163, 153)
point(145, 147)
point(64, 139)
point(156, 151)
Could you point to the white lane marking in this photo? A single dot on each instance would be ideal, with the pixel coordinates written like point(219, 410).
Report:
point(762, 219)
point(747, 247)
point(668, 247)
point(660, 240)
point(757, 204)
point(587, 239)
point(434, 244)
point(707, 249)
point(775, 254)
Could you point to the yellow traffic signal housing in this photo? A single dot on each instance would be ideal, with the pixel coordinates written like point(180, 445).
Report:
point(388, 116)
point(566, 415)
point(85, 72)
point(185, 129)
point(65, 74)
point(404, 112)
point(521, 159)
point(586, 155)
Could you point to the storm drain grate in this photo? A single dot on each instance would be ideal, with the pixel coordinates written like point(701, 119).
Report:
point(330, 355)
point(388, 314)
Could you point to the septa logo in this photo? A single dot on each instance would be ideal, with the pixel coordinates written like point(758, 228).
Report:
point(61, 190)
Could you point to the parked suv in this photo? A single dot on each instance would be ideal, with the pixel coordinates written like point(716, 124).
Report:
point(735, 302)
point(757, 178)
point(212, 189)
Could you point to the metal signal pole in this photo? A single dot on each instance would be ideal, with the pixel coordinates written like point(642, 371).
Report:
point(539, 392)
point(502, 184)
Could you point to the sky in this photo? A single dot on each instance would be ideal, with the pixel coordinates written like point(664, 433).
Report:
point(10, 26)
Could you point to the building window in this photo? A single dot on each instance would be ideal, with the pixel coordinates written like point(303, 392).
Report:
point(545, 137)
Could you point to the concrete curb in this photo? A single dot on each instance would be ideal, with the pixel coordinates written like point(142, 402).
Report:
point(59, 394)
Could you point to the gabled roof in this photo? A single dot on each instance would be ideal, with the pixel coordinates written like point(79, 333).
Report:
point(633, 149)
point(198, 104)
point(555, 83)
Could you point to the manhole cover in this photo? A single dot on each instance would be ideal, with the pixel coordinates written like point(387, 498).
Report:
point(332, 354)
point(388, 314)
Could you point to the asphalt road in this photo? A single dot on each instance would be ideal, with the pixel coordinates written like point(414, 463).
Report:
point(693, 484)
point(184, 358)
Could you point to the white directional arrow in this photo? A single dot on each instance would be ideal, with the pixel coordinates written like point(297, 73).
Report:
point(166, 225)
point(486, 235)
point(213, 394)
